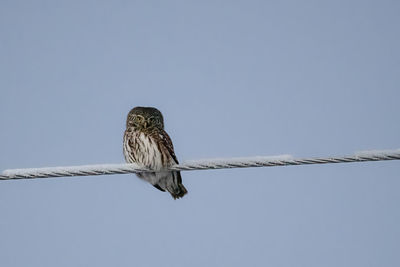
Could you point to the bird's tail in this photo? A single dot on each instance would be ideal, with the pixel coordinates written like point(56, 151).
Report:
point(175, 186)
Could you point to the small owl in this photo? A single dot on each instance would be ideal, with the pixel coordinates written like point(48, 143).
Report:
point(147, 144)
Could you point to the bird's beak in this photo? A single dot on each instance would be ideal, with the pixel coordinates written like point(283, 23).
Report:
point(145, 124)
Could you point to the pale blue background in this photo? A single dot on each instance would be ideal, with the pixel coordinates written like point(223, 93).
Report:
point(233, 78)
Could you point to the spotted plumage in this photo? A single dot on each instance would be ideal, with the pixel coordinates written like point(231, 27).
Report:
point(148, 145)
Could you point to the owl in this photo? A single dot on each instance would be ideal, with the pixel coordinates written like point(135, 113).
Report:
point(148, 145)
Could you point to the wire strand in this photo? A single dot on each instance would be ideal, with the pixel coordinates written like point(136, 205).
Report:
point(229, 163)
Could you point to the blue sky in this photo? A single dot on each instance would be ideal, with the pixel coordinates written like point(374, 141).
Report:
point(232, 78)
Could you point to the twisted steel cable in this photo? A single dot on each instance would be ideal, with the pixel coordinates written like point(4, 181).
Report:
point(284, 160)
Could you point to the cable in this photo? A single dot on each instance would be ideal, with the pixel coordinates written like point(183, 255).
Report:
point(106, 169)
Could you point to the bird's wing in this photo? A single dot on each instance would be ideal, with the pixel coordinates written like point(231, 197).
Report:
point(175, 186)
point(167, 143)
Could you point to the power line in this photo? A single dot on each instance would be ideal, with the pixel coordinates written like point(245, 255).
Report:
point(229, 163)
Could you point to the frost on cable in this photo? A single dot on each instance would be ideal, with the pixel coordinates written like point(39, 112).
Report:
point(219, 163)
point(237, 160)
point(374, 153)
point(99, 168)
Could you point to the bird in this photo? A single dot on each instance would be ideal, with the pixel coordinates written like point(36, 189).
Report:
point(147, 144)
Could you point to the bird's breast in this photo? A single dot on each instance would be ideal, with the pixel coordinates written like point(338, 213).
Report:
point(142, 149)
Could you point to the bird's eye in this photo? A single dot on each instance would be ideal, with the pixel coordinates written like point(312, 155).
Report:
point(136, 119)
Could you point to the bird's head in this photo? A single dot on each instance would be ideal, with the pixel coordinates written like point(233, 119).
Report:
point(145, 118)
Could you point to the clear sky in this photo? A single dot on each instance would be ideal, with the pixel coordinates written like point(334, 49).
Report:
point(232, 78)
